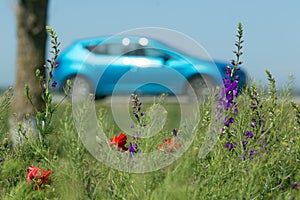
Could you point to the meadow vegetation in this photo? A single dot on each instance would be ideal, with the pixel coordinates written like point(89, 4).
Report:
point(256, 156)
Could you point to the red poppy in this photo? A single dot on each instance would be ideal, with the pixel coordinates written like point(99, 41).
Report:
point(119, 141)
point(169, 145)
point(38, 175)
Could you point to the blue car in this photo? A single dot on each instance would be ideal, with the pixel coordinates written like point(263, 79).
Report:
point(130, 64)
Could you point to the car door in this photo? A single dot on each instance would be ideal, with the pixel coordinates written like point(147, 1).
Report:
point(155, 72)
point(108, 67)
point(138, 72)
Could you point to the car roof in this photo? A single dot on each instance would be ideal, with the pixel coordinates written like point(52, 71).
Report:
point(119, 39)
point(114, 39)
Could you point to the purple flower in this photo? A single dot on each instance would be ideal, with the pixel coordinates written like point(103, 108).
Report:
point(229, 121)
point(54, 84)
point(233, 62)
point(253, 107)
point(136, 106)
point(235, 111)
point(244, 143)
point(252, 153)
point(175, 132)
point(249, 134)
point(1, 159)
point(131, 125)
point(295, 185)
point(281, 187)
point(229, 146)
point(136, 115)
point(242, 157)
point(253, 123)
point(228, 71)
point(44, 86)
point(133, 147)
point(260, 122)
point(136, 136)
point(229, 91)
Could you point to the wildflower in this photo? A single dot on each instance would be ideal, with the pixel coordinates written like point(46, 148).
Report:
point(228, 71)
point(119, 141)
point(38, 175)
point(242, 157)
point(249, 134)
point(253, 123)
point(136, 115)
point(252, 153)
point(136, 106)
point(1, 159)
point(228, 121)
point(253, 107)
point(133, 148)
point(295, 185)
point(281, 187)
point(235, 111)
point(230, 146)
point(244, 143)
point(175, 132)
point(135, 136)
point(169, 145)
point(54, 84)
point(230, 88)
point(44, 86)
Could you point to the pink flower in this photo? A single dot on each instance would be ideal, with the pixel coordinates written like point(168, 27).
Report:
point(169, 145)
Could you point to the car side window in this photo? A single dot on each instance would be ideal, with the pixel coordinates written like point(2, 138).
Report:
point(106, 49)
point(117, 49)
point(134, 50)
point(152, 52)
point(97, 49)
point(157, 53)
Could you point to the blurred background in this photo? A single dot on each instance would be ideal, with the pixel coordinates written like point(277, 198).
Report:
point(271, 29)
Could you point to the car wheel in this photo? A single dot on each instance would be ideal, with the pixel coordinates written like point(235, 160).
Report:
point(200, 86)
point(80, 88)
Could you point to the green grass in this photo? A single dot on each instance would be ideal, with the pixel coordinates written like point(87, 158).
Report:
point(76, 174)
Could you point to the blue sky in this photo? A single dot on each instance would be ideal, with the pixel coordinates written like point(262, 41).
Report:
point(271, 29)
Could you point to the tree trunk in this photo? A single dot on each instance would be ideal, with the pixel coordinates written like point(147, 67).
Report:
point(31, 16)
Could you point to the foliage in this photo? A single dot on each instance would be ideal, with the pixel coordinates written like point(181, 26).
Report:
point(261, 160)
point(43, 117)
